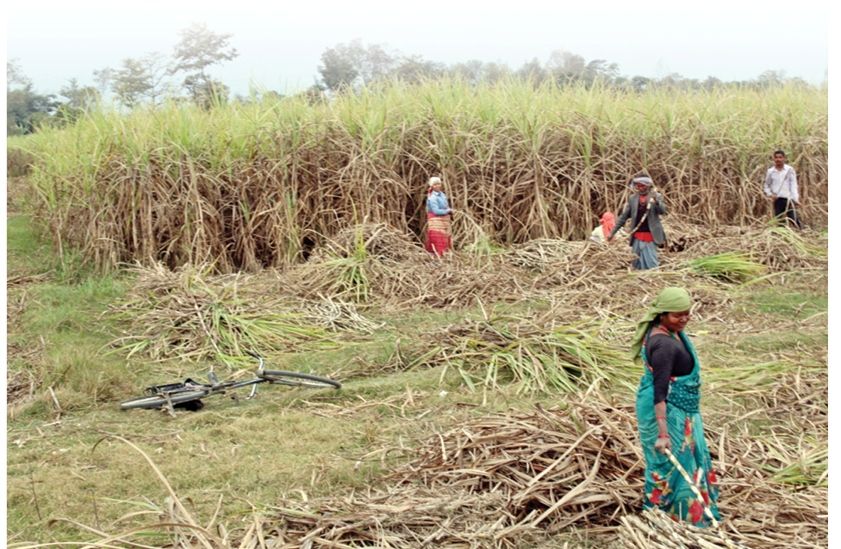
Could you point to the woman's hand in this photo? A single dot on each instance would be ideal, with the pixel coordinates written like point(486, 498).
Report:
point(663, 444)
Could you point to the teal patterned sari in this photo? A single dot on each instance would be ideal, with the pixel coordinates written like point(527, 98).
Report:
point(665, 487)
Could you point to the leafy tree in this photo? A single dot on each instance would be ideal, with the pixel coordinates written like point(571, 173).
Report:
point(353, 64)
point(769, 79)
point(415, 69)
point(377, 63)
point(314, 95)
point(136, 80)
point(532, 71)
point(103, 78)
point(674, 80)
point(600, 70)
point(494, 72)
point(14, 74)
point(340, 67)
point(133, 82)
point(470, 71)
point(198, 50)
point(205, 91)
point(79, 99)
point(25, 109)
point(565, 66)
point(640, 83)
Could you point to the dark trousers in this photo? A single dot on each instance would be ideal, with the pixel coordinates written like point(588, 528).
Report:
point(784, 208)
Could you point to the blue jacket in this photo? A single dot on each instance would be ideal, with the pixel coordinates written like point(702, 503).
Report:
point(437, 203)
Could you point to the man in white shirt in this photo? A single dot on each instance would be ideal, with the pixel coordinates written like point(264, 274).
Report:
point(781, 188)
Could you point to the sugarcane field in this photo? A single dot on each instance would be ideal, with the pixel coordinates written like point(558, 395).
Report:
point(493, 274)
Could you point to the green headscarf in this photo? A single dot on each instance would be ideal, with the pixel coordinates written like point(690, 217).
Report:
point(670, 300)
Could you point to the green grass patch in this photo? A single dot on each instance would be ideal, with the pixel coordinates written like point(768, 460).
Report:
point(795, 305)
point(28, 252)
point(57, 334)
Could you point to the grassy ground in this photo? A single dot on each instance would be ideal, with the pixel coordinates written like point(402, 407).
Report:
point(65, 462)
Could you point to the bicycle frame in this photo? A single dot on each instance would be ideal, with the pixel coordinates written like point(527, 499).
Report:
point(214, 387)
point(170, 395)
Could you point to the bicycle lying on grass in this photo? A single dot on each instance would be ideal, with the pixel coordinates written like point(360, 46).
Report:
point(188, 394)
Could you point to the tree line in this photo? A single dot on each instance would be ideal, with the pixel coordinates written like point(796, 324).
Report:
point(343, 68)
point(146, 80)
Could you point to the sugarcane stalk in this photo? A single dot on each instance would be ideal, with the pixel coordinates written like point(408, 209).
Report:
point(698, 496)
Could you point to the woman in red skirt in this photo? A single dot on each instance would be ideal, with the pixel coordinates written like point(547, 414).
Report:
point(438, 236)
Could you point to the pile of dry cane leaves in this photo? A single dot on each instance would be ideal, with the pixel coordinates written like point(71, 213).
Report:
point(654, 528)
point(508, 478)
point(535, 351)
point(778, 248)
point(194, 315)
point(376, 264)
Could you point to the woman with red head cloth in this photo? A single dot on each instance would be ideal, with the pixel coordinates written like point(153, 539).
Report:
point(602, 232)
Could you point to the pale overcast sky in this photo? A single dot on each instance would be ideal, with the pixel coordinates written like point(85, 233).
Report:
point(280, 42)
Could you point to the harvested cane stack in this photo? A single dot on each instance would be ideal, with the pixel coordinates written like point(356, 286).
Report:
point(508, 477)
point(542, 253)
point(494, 483)
point(191, 313)
point(402, 518)
point(555, 468)
point(374, 240)
point(588, 263)
point(538, 354)
point(778, 248)
point(376, 263)
point(654, 529)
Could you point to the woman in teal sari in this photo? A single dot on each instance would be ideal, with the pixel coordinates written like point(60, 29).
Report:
point(668, 412)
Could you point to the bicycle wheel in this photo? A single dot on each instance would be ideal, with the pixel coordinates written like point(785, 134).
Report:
point(297, 379)
point(158, 401)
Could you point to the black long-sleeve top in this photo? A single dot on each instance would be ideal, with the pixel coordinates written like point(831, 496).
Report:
point(642, 212)
point(668, 358)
